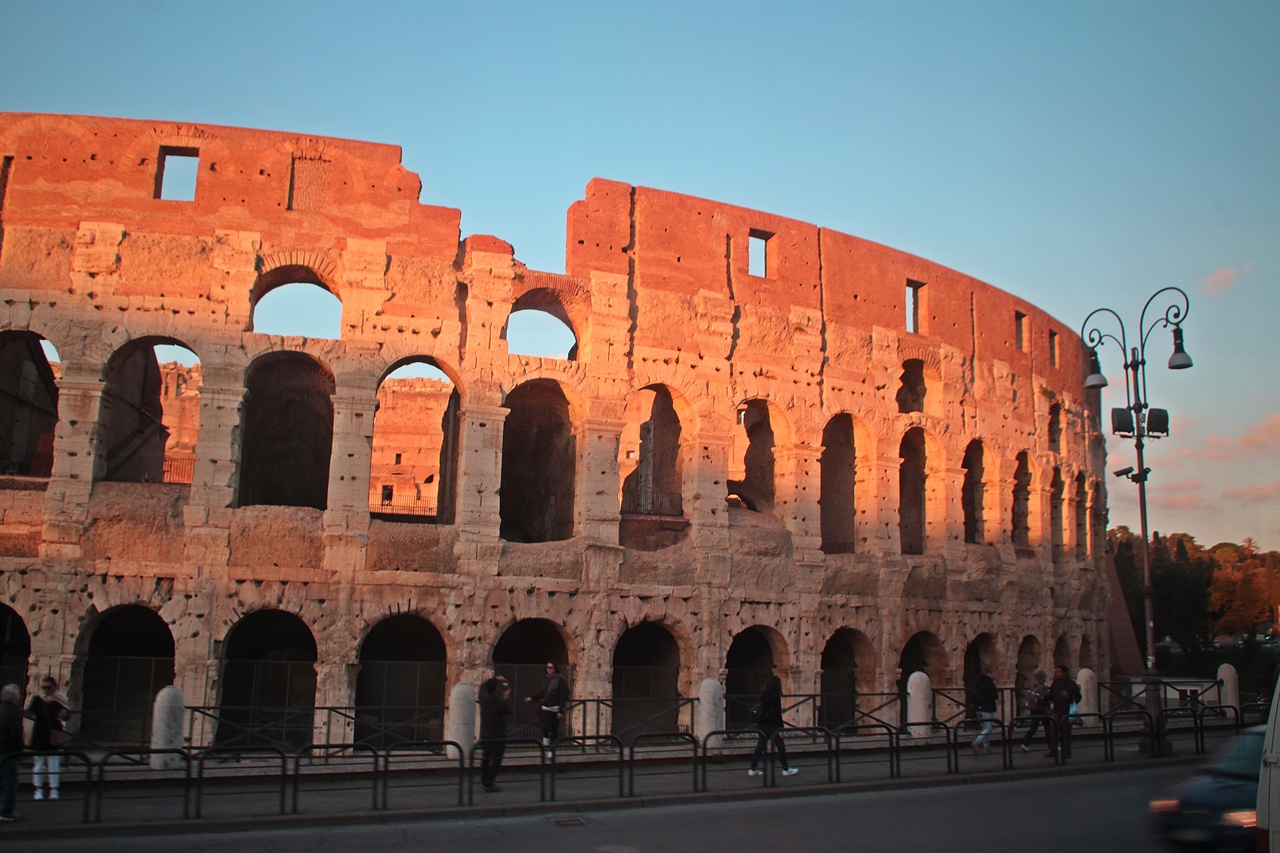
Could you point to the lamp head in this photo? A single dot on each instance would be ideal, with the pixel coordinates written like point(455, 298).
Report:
point(1179, 360)
point(1095, 379)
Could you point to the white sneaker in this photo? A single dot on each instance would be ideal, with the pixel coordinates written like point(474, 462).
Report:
point(791, 771)
point(53, 795)
point(755, 772)
point(39, 794)
point(1024, 748)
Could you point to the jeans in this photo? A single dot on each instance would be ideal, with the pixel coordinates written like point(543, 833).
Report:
point(44, 760)
point(987, 718)
point(9, 782)
point(766, 734)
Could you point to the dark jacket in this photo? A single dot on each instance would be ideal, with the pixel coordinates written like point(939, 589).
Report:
point(495, 711)
point(985, 694)
point(1061, 695)
point(555, 693)
point(46, 715)
point(1036, 699)
point(770, 710)
point(10, 728)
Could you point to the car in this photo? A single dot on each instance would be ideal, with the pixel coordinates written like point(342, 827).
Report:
point(1216, 807)
point(1269, 786)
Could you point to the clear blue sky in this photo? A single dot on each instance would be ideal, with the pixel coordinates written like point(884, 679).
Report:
point(1075, 154)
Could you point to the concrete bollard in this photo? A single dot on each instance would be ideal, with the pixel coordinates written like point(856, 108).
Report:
point(167, 712)
point(710, 710)
point(919, 703)
point(1088, 681)
point(461, 728)
point(1230, 685)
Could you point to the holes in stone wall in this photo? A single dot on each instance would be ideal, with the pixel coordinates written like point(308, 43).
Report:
point(176, 171)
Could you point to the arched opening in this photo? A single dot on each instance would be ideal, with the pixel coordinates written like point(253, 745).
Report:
point(751, 470)
point(414, 464)
point(1055, 428)
point(911, 492)
point(268, 682)
point(838, 465)
point(1082, 518)
point(539, 325)
point(539, 465)
point(288, 432)
point(130, 659)
point(646, 681)
point(925, 653)
point(520, 655)
point(1028, 662)
point(298, 305)
point(748, 664)
point(400, 691)
point(1021, 532)
point(848, 670)
point(1062, 653)
point(973, 492)
point(1057, 515)
point(149, 419)
point(15, 647)
point(649, 455)
point(28, 404)
point(911, 387)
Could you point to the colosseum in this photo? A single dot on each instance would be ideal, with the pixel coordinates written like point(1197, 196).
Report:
point(772, 447)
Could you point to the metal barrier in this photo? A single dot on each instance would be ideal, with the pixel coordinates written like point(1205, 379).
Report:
point(889, 731)
point(952, 750)
point(718, 740)
point(134, 758)
point(532, 742)
point(1125, 714)
point(237, 754)
point(438, 749)
point(585, 740)
point(814, 733)
point(1006, 742)
point(1197, 726)
point(328, 754)
point(666, 739)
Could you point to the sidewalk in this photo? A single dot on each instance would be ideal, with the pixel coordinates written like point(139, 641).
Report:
point(251, 794)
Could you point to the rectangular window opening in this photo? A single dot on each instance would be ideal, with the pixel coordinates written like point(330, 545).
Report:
point(1020, 330)
point(758, 260)
point(1053, 349)
point(388, 493)
point(915, 307)
point(176, 172)
point(397, 458)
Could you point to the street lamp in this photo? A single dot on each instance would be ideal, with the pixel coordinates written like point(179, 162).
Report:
point(1138, 421)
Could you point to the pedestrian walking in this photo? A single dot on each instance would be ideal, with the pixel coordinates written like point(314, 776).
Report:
point(47, 710)
point(552, 701)
point(1062, 693)
point(769, 725)
point(1036, 701)
point(985, 698)
point(11, 745)
point(495, 713)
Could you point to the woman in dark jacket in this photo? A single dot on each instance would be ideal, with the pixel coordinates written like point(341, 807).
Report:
point(769, 725)
point(47, 711)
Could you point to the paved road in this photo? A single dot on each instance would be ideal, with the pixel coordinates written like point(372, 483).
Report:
point(1063, 814)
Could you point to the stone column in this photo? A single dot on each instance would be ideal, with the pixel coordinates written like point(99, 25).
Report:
point(1088, 704)
point(215, 478)
point(75, 447)
point(346, 520)
point(919, 703)
point(710, 710)
point(167, 717)
point(597, 487)
point(480, 471)
point(461, 725)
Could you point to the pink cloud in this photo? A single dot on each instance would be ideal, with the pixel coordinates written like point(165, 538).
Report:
point(1180, 502)
point(1263, 492)
point(1261, 438)
point(1220, 281)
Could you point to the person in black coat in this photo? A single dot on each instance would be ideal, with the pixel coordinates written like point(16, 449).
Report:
point(11, 745)
point(985, 698)
point(495, 713)
point(1062, 692)
point(552, 701)
point(769, 724)
point(47, 711)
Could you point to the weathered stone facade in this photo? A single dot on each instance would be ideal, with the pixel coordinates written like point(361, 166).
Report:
point(852, 464)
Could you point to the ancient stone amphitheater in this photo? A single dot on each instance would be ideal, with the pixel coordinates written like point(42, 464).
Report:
point(773, 447)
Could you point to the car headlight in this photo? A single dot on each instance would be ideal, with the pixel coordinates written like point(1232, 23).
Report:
point(1243, 818)
point(1163, 804)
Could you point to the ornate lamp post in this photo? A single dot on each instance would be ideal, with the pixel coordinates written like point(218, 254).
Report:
point(1139, 422)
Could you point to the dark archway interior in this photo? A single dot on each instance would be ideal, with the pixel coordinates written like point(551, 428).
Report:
point(756, 488)
point(15, 647)
point(539, 461)
point(1028, 663)
point(646, 681)
point(839, 681)
point(130, 659)
point(28, 406)
point(839, 530)
point(1022, 501)
point(911, 494)
point(653, 488)
point(972, 493)
point(911, 389)
point(132, 415)
point(748, 664)
point(400, 691)
point(1057, 514)
point(288, 433)
point(521, 654)
point(269, 681)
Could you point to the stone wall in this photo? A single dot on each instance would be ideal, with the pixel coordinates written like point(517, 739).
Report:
point(681, 446)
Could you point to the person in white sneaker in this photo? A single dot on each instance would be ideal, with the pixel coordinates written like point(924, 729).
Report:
point(769, 724)
point(47, 711)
